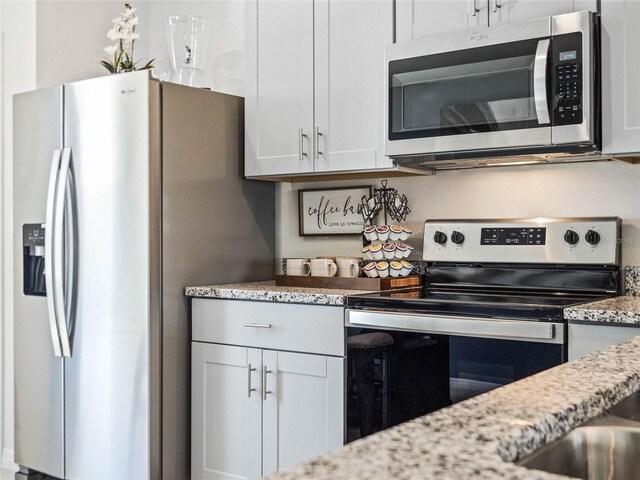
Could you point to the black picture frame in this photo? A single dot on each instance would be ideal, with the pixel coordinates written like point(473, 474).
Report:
point(326, 221)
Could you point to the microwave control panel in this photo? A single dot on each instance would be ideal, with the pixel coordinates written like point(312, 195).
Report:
point(568, 79)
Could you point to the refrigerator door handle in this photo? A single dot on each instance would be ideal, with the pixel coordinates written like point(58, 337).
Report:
point(48, 252)
point(59, 252)
point(72, 253)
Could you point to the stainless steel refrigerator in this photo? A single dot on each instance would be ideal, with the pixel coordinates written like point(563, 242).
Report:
point(126, 191)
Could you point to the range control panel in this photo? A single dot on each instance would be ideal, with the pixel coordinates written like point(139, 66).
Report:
point(585, 241)
point(568, 79)
point(513, 236)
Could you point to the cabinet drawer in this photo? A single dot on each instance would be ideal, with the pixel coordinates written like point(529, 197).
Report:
point(278, 326)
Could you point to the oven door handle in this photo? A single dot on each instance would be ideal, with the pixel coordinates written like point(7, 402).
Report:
point(532, 331)
point(540, 81)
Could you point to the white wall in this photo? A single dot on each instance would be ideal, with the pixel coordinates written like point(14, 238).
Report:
point(590, 189)
point(224, 68)
point(18, 67)
point(48, 42)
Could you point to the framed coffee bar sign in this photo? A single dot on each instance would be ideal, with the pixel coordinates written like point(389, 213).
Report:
point(331, 211)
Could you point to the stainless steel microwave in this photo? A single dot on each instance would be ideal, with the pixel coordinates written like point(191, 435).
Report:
point(503, 92)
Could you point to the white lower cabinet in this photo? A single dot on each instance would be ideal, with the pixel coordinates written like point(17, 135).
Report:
point(226, 421)
point(258, 410)
point(302, 411)
point(584, 338)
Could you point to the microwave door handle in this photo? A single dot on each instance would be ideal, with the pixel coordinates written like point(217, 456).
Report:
point(540, 81)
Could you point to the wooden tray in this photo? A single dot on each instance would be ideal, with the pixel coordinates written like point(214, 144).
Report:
point(360, 283)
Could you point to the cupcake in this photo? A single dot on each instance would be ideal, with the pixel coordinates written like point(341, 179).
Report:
point(366, 252)
point(395, 268)
point(370, 233)
point(370, 270)
point(394, 232)
point(406, 268)
point(383, 269)
point(383, 232)
point(376, 251)
point(405, 233)
point(389, 250)
point(401, 250)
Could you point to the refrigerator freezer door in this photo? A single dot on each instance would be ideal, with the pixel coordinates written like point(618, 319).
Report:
point(107, 429)
point(38, 373)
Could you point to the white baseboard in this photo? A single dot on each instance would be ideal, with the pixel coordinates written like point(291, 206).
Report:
point(7, 460)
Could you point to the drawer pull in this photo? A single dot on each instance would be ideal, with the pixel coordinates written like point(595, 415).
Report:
point(257, 325)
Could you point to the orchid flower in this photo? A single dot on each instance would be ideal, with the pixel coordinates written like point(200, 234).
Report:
point(123, 32)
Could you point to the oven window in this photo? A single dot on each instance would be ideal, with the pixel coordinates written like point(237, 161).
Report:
point(469, 91)
point(393, 377)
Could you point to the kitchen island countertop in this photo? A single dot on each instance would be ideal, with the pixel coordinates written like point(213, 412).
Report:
point(267, 291)
point(624, 310)
point(480, 437)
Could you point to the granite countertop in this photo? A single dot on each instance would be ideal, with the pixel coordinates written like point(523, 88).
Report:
point(267, 291)
point(480, 437)
point(619, 310)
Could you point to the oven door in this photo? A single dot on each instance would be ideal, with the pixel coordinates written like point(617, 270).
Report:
point(401, 366)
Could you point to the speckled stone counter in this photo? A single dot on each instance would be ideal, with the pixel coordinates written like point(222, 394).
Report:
point(619, 310)
point(479, 438)
point(632, 280)
point(267, 291)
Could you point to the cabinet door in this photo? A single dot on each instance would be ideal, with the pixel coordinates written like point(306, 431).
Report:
point(424, 18)
point(279, 87)
point(226, 415)
point(350, 36)
point(585, 339)
point(620, 76)
point(509, 11)
point(303, 411)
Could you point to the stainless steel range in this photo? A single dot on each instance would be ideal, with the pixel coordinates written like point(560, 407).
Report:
point(490, 313)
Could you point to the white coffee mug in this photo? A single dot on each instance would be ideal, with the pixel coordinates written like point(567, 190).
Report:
point(348, 267)
point(323, 267)
point(298, 266)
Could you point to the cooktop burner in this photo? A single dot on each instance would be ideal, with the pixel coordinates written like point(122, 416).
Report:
point(538, 307)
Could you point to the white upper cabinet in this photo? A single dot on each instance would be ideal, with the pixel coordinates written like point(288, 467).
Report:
point(425, 18)
point(509, 11)
point(314, 86)
point(279, 87)
point(349, 91)
point(620, 76)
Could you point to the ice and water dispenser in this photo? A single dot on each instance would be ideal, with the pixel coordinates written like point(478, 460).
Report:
point(33, 259)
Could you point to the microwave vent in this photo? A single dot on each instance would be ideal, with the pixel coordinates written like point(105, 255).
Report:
point(436, 162)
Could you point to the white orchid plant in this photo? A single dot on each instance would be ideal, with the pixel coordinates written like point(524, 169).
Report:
point(124, 34)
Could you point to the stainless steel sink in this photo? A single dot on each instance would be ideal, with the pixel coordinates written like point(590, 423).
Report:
point(629, 408)
point(592, 453)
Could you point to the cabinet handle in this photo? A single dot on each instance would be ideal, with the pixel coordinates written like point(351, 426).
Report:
point(265, 372)
point(249, 389)
point(475, 8)
point(496, 5)
point(257, 325)
point(317, 144)
point(301, 137)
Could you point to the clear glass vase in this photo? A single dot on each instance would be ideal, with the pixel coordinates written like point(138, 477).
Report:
point(187, 38)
